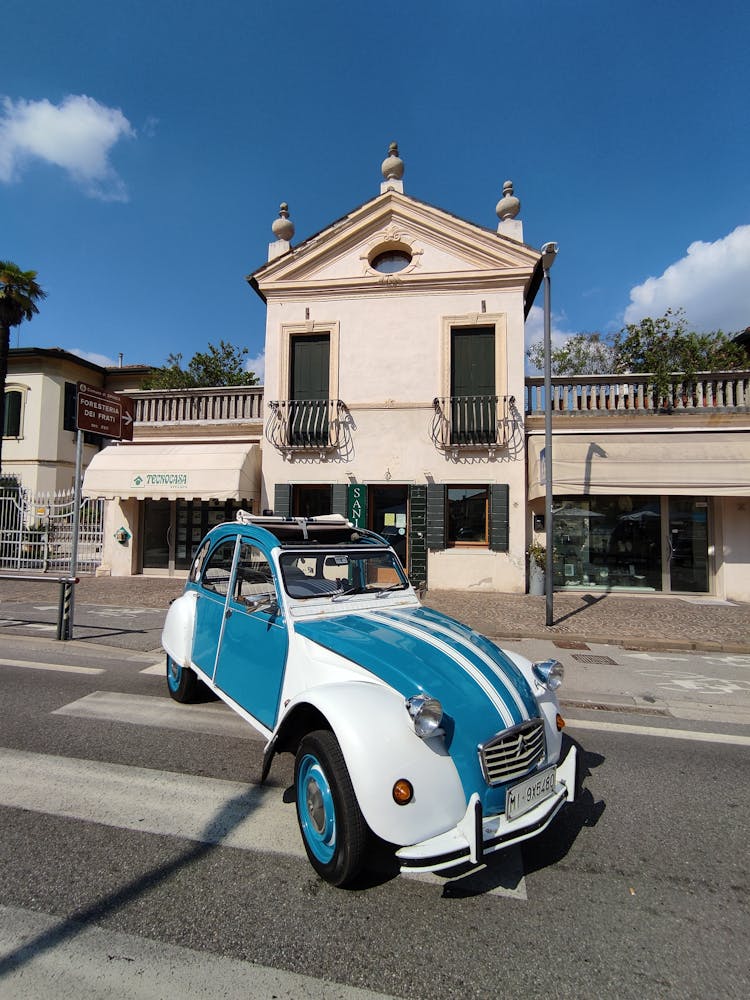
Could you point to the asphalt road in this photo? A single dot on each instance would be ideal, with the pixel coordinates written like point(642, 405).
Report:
point(138, 858)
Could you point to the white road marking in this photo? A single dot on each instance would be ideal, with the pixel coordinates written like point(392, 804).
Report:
point(653, 657)
point(65, 668)
point(68, 960)
point(160, 668)
point(163, 713)
point(208, 810)
point(670, 734)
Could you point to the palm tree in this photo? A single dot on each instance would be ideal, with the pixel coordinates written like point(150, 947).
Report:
point(19, 294)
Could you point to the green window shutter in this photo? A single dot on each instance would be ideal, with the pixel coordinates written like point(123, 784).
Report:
point(12, 419)
point(310, 365)
point(417, 568)
point(339, 496)
point(499, 515)
point(435, 533)
point(473, 361)
point(282, 500)
point(70, 406)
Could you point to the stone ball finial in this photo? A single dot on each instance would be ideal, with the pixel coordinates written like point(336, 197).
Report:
point(393, 165)
point(283, 227)
point(509, 206)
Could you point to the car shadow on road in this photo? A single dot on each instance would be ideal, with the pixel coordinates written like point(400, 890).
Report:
point(551, 846)
point(217, 830)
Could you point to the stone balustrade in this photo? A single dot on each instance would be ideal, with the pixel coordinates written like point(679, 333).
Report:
point(717, 391)
point(225, 405)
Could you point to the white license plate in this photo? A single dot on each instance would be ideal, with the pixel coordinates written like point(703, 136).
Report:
point(529, 793)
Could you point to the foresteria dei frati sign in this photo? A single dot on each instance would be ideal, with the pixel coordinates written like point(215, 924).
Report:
point(104, 413)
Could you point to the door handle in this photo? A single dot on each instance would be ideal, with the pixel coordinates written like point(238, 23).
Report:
point(228, 613)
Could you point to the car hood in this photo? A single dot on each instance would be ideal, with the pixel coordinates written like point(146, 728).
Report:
point(418, 650)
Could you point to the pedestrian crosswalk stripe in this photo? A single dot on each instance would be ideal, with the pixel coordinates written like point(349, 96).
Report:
point(65, 668)
point(149, 710)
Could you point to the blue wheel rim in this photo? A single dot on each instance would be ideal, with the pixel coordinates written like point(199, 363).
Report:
point(316, 809)
point(174, 674)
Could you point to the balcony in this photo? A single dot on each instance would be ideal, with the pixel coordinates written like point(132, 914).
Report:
point(240, 404)
point(306, 425)
point(472, 422)
point(704, 394)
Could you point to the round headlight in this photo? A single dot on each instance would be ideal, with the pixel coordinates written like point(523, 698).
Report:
point(549, 672)
point(426, 714)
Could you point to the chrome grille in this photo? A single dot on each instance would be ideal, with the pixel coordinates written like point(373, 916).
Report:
point(513, 753)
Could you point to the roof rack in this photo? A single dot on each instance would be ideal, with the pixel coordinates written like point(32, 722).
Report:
point(330, 521)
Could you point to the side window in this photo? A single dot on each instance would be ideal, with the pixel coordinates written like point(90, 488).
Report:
point(254, 576)
point(200, 558)
point(218, 569)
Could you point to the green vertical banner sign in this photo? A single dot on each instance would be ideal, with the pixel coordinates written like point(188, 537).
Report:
point(357, 505)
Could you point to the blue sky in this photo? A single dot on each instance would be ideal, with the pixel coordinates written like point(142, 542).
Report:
point(145, 147)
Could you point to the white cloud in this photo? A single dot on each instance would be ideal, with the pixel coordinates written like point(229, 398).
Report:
point(78, 135)
point(257, 365)
point(97, 359)
point(711, 283)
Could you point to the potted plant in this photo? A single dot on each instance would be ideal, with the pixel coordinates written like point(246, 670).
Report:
point(537, 554)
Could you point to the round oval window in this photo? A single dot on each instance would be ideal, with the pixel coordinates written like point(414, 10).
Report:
point(390, 261)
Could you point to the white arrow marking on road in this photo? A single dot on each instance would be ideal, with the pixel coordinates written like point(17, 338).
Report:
point(63, 668)
point(160, 668)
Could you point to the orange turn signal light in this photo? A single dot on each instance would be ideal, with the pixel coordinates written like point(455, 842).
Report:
point(403, 792)
point(560, 722)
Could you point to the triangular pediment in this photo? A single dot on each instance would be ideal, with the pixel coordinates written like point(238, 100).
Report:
point(441, 247)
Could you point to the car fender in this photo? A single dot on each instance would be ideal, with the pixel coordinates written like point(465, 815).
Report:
point(380, 747)
point(179, 628)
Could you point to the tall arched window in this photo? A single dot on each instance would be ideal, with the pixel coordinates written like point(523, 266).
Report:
point(13, 407)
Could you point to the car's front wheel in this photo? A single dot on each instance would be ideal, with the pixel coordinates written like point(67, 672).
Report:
point(333, 828)
point(181, 681)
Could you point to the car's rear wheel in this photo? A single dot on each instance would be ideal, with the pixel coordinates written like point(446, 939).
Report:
point(181, 681)
point(333, 828)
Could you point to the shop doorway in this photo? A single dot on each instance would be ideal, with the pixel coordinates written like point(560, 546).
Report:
point(687, 544)
point(388, 513)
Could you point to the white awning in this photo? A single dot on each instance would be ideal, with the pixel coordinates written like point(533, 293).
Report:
point(690, 464)
point(175, 471)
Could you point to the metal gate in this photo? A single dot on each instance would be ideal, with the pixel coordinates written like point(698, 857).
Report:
point(36, 531)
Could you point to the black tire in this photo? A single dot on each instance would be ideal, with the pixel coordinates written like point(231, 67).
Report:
point(181, 682)
point(333, 828)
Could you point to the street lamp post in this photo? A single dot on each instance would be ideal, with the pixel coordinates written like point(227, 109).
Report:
point(549, 252)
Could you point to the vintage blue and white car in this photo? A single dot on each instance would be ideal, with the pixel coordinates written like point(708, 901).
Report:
point(403, 722)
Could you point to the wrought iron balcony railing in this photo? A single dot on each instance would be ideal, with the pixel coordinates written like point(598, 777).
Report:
point(471, 421)
point(305, 424)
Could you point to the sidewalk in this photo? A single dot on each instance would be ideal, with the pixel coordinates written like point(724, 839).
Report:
point(640, 622)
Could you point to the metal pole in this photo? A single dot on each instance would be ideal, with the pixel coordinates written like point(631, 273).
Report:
point(548, 255)
point(76, 525)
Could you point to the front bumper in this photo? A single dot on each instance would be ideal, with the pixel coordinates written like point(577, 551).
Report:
point(476, 835)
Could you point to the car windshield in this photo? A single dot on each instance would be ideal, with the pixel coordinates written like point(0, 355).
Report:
point(338, 573)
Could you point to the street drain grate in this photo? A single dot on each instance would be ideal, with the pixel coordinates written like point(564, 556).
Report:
point(590, 658)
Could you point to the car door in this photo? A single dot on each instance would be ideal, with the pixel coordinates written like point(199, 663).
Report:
point(253, 647)
point(211, 605)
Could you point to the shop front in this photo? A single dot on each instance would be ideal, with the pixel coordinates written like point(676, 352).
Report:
point(640, 543)
point(163, 498)
point(643, 512)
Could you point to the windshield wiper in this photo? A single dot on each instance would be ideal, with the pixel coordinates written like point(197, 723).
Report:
point(393, 586)
point(345, 593)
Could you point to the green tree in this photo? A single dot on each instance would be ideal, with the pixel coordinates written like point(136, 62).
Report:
point(19, 294)
point(659, 347)
point(666, 345)
point(217, 366)
point(581, 354)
